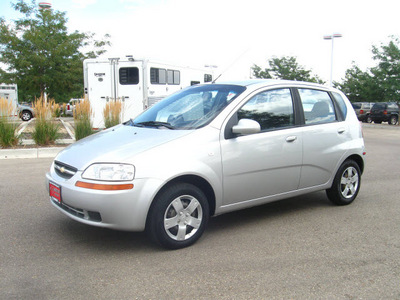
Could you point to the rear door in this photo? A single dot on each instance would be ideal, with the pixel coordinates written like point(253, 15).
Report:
point(130, 88)
point(324, 137)
point(99, 87)
point(377, 111)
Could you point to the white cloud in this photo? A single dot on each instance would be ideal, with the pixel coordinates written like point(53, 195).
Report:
point(81, 4)
point(220, 32)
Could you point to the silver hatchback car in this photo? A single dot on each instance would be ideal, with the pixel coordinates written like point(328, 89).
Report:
point(208, 150)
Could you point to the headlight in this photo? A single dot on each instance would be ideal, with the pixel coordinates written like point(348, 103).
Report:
point(109, 172)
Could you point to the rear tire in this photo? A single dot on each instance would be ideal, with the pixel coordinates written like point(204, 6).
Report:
point(26, 116)
point(178, 216)
point(393, 120)
point(346, 184)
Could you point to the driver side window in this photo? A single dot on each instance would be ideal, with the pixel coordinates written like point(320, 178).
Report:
point(272, 109)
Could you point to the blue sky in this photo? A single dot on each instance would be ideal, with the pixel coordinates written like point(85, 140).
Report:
point(220, 32)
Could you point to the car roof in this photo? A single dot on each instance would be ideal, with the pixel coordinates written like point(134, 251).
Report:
point(256, 83)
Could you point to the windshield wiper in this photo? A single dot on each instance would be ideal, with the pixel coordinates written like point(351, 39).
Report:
point(154, 124)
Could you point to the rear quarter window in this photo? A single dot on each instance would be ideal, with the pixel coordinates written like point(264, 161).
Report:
point(341, 104)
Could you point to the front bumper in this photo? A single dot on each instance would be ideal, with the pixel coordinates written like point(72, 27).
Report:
point(122, 210)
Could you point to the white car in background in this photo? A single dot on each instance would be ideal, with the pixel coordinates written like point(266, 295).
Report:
point(25, 112)
point(69, 111)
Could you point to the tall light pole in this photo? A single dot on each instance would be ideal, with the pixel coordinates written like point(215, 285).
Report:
point(332, 37)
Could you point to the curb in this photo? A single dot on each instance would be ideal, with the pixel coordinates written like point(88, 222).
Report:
point(30, 153)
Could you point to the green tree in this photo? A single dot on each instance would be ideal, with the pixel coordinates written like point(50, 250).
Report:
point(380, 83)
point(41, 56)
point(287, 68)
point(387, 71)
point(360, 86)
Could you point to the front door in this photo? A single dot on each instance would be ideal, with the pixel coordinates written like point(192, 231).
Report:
point(268, 163)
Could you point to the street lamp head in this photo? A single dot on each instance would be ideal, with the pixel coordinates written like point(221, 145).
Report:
point(332, 36)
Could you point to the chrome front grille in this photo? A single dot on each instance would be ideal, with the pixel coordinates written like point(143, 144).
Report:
point(64, 170)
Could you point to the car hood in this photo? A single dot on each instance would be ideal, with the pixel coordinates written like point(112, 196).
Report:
point(116, 144)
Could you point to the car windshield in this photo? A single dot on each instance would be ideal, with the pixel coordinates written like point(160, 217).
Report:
point(190, 108)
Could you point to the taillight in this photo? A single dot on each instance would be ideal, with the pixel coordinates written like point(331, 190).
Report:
point(385, 112)
point(68, 107)
point(361, 112)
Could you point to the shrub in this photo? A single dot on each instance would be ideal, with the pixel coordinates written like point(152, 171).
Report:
point(83, 124)
point(111, 113)
point(8, 137)
point(64, 109)
point(46, 130)
point(57, 111)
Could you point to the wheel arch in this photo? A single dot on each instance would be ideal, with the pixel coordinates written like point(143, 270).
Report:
point(359, 161)
point(195, 180)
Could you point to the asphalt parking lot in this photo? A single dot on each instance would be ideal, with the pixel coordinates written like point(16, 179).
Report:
point(300, 248)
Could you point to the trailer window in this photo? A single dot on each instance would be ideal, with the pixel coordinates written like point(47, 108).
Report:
point(174, 77)
point(158, 76)
point(207, 77)
point(128, 76)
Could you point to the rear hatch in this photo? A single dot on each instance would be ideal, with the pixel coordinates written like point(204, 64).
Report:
point(378, 110)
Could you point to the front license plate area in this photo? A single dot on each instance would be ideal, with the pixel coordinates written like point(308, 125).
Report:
point(55, 192)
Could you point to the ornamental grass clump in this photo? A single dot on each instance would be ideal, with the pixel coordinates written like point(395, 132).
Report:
point(8, 138)
point(112, 112)
point(82, 118)
point(46, 129)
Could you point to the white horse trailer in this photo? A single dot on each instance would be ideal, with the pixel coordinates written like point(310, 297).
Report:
point(9, 92)
point(137, 83)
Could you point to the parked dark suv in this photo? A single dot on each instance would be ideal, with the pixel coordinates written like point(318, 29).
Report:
point(363, 110)
point(385, 112)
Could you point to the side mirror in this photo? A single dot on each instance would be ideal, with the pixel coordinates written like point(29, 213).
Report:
point(246, 126)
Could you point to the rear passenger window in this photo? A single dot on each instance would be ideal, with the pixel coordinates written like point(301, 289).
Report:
point(317, 106)
point(272, 109)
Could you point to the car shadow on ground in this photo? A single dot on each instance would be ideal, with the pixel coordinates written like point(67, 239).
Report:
point(270, 211)
point(80, 235)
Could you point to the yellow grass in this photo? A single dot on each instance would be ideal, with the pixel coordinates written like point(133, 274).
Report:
point(44, 111)
point(112, 112)
point(83, 110)
point(46, 131)
point(82, 117)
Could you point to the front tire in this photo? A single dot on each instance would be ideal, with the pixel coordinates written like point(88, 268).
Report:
point(178, 216)
point(346, 184)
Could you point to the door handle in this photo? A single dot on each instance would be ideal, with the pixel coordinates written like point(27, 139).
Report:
point(291, 139)
point(341, 130)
